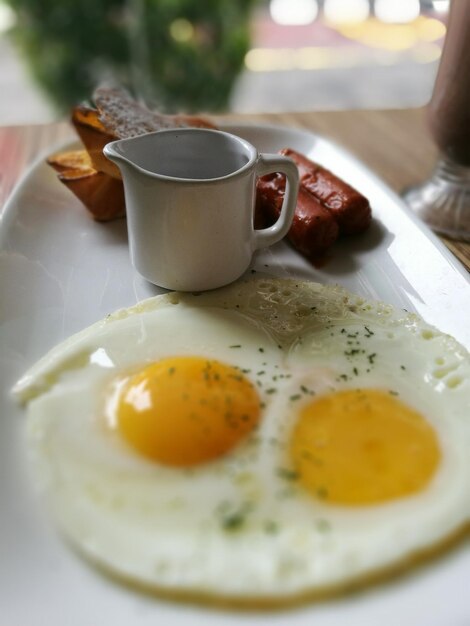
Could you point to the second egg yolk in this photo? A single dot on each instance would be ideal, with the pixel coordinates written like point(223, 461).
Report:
point(182, 411)
point(364, 446)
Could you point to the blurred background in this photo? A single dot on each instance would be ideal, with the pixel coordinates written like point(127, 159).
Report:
point(219, 55)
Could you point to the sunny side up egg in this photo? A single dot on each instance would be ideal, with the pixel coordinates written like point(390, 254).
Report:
point(259, 443)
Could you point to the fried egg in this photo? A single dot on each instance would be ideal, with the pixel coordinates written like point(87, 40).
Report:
point(258, 443)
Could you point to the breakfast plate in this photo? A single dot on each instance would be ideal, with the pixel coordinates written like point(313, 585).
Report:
point(60, 272)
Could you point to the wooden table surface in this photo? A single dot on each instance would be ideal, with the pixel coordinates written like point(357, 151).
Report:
point(395, 144)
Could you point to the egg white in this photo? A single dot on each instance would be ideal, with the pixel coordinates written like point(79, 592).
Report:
point(240, 527)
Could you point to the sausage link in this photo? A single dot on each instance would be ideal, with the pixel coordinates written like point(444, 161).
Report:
point(350, 208)
point(313, 229)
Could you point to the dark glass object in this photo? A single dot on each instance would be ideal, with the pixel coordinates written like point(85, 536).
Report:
point(443, 202)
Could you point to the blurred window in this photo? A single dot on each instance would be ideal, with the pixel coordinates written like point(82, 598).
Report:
point(249, 55)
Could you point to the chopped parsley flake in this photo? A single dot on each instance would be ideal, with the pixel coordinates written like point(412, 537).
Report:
point(233, 522)
point(235, 346)
point(232, 519)
point(271, 527)
point(286, 493)
point(322, 493)
point(308, 456)
point(322, 525)
point(287, 474)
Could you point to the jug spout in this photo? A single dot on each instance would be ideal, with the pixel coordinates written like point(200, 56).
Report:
point(113, 152)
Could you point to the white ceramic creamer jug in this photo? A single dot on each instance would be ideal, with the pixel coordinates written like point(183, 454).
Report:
point(190, 201)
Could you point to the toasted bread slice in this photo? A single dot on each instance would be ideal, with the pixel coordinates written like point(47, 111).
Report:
point(94, 137)
point(71, 160)
point(88, 116)
point(95, 180)
point(102, 195)
point(119, 116)
point(124, 117)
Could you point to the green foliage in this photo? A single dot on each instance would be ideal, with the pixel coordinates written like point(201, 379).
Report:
point(177, 54)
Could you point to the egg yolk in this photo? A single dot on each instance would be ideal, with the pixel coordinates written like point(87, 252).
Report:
point(182, 411)
point(360, 447)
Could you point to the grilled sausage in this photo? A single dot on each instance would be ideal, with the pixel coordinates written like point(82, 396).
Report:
point(313, 229)
point(350, 208)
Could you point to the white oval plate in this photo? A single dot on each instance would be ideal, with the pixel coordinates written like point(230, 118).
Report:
point(60, 271)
